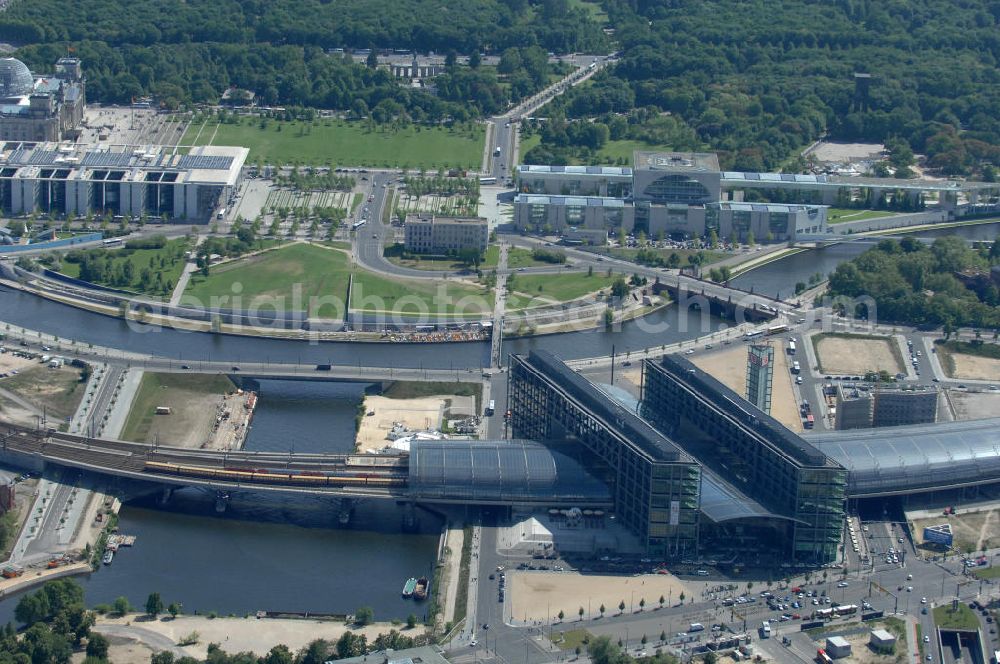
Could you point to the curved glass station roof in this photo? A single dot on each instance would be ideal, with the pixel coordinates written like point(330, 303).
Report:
point(504, 471)
point(914, 458)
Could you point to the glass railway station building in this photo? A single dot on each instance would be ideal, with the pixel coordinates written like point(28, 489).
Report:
point(693, 469)
point(118, 180)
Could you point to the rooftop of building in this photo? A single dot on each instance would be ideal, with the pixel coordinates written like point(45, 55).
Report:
point(617, 418)
point(583, 171)
point(676, 161)
point(431, 218)
point(584, 201)
point(205, 164)
point(744, 413)
point(915, 457)
point(765, 207)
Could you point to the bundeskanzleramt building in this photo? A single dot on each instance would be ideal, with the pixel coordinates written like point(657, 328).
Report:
point(654, 483)
point(664, 194)
point(118, 180)
point(802, 488)
point(41, 108)
point(431, 234)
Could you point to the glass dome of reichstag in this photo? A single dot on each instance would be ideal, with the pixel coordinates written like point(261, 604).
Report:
point(15, 78)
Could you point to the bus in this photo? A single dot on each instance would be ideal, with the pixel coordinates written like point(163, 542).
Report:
point(791, 347)
point(753, 335)
point(491, 408)
point(358, 224)
point(113, 242)
point(765, 629)
point(846, 610)
point(777, 329)
point(810, 421)
point(487, 180)
point(824, 614)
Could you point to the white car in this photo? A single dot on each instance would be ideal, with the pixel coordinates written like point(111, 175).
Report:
point(842, 584)
point(923, 600)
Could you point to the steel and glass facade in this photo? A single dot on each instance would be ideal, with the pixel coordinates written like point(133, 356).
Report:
point(751, 451)
point(654, 484)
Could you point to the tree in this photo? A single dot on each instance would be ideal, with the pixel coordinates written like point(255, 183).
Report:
point(642, 604)
point(97, 646)
point(163, 657)
point(154, 605)
point(590, 270)
point(121, 605)
point(662, 600)
point(173, 609)
point(602, 610)
point(279, 654)
point(711, 657)
point(364, 616)
point(581, 613)
point(372, 60)
point(621, 606)
point(561, 615)
point(751, 241)
point(681, 597)
point(609, 317)
point(619, 288)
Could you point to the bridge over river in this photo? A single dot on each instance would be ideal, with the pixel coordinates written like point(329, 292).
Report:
point(506, 473)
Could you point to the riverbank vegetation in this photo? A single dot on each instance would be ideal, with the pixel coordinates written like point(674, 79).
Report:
point(146, 265)
point(758, 82)
point(945, 284)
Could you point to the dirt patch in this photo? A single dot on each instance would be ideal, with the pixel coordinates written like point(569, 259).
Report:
point(974, 405)
point(419, 414)
point(248, 634)
point(57, 391)
point(846, 152)
point(533, 594)
point(972, 531)
point(204, 412)
point(974, 367)
point(856, 356)
point(10, 362)
point(14, 413)
point(861, 652)
point(730, 367)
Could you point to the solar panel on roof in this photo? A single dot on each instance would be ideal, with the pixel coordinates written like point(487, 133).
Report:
point(205, 162)
point(106, 159)
point(42, 157)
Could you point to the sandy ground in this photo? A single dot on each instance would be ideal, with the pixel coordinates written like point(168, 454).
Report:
point(14, 413)
point(837, 355)
point(975, 530)
point(241, 634)
point(975, 405)
point(533, 594)
point(199, 421)
point(730, 367)
point(9, 362)
point(976, 368)
point(844, 152)
point(861, 653)
point(417, 414)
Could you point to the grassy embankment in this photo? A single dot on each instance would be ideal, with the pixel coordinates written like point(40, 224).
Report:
point(176, 391)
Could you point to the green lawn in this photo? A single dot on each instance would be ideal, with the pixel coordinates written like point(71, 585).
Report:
point(375, 293)
point(516, 257)
point(987, 573)
point(841, 215)
point(594, 10)
point(573, 638)
point(558, 287)
point(316, 271)
point(962, 618)
point(348, 143)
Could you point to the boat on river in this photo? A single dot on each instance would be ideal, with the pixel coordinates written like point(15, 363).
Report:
point(409, 587)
